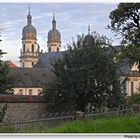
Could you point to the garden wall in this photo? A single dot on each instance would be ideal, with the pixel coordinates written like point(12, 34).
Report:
point(25, 107)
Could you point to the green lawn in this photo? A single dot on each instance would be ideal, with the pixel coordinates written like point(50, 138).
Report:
point(106, 125)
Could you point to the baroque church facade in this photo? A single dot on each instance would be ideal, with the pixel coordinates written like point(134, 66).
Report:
point(34, 72)
point(29, 54)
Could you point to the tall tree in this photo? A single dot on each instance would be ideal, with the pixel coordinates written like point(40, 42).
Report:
point(86, 74)
point(125, 21)
point(6, 83)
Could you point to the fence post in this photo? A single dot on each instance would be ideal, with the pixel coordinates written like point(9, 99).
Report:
point(79, 115)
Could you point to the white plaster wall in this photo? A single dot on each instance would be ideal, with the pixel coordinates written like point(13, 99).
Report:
point(135, 86)
point(127, 90)
point(28, 62)
point(28, 47)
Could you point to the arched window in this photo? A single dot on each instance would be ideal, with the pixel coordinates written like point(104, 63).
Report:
point(32, 63)
point(49, 49)
point(32, 48)
point(38, 47)
point(57, 49)
point(24, 48)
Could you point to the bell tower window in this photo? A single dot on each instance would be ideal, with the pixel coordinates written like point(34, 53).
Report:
point(49, 49)
point(32, 63)
point(57, 49)
point(38, 48)
point(24, 48)
point(23, 64)
point(32, 48)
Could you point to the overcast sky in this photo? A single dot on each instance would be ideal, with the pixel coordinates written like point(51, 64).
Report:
point(72, 19)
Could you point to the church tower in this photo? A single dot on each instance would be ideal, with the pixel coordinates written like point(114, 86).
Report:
point(54, 38)
point(29, 54)
point(89, 38)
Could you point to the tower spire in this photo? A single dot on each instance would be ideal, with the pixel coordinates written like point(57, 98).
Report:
point(53, 15)
point(29, 18)
point(53, 22)
point(29, 9)
point(89, 29)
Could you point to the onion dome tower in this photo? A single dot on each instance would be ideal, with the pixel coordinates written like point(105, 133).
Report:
point(29, 53)
point(54, 38)
point(89, 38)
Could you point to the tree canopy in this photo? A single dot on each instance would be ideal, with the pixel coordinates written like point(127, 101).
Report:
point(6, 83)
point(86, 74)
point(125, 21)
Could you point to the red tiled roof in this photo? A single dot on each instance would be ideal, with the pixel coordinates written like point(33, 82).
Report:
point(11, 64)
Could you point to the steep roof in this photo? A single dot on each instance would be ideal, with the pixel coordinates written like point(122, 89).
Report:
point(31, 77)
point(46, 59)
point(123, 68)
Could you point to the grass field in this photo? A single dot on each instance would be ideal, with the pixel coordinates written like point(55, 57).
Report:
point(106, 125)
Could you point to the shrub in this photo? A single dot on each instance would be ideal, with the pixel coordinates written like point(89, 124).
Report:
point(135, 99)
point(3, 111)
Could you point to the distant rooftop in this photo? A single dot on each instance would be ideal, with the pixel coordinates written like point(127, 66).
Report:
point(11, 64)
point(31, 77)
point(46, 59)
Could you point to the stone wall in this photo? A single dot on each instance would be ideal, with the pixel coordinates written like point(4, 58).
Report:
point(24, 111)
point(25, 107)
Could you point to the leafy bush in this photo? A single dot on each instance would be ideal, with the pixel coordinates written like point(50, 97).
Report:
point(3, 111)
point(86, 75)
point(135, 99)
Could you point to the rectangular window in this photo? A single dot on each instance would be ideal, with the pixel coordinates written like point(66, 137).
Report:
point(39, 91)
point(30, 91)
point(20, 92)
point(132, 88)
